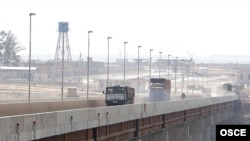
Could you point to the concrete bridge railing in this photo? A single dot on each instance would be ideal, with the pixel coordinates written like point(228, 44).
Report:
point(42, 125)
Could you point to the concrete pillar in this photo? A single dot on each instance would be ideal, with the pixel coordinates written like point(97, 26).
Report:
point(212, 133)
point(205, 136)
point(159, 136)
point(207, 128)
point(195, 130)
point(179, 133)
point(225, 115)
point(215, 118)
point(155, 136)
point(199, 130)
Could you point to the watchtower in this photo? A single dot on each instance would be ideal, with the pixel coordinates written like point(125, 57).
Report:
point(62, 54)
point(63, 42)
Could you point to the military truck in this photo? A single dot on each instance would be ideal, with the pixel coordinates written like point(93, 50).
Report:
point(117, 95)
point(159, 89)
point(230, 87)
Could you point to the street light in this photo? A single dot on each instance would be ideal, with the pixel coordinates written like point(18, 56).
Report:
point(108, 64)
point(182, 85)
point(138, 69)
point(168, 64)
point(80, 68)
point(30, 14)
point(193, 77)
point(188, 68)
point(150, 59)
point(124, 62)
point(88, 65)
point(62, 61)
point(198, 87)
point(160, 64)
point(176, 65)
point(202, 72)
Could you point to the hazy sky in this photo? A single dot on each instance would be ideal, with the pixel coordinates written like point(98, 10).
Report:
point(176, 27)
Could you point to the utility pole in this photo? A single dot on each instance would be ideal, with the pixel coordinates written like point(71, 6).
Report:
point(124, 63)
point(138, 83)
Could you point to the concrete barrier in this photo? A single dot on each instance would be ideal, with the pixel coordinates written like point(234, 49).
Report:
point(41, 125)
point(39, 107)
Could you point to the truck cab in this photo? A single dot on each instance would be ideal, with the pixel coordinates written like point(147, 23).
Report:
point(117, 95)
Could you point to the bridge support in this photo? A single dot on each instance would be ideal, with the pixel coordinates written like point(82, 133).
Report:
point(198, 130)
point(202, 129)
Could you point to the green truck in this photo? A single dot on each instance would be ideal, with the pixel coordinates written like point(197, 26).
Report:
point(117, 95)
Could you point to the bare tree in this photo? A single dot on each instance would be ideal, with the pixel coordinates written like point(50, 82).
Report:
point(9, 49)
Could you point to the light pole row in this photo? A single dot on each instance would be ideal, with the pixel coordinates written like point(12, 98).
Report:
point(88, 63)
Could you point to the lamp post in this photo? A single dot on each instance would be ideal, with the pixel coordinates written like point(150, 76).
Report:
point(182, 85)
point(88, 64)
point(160, 64)
point(176, 65)
point(124, 63)
point(138, 83)
point(168, 64)
point(80, 67)
point(233, 71)
point(202, 70)
point(62, 62)
point(193, 78)
point(108, 64)
point(30, 14)
point(198, 78)
point(150, 59)
point(187, 74)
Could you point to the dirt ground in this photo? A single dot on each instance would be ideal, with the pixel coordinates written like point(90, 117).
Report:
point(15, 93)
point(18, 92)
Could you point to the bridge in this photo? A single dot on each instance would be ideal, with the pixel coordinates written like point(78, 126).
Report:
point(178, 120)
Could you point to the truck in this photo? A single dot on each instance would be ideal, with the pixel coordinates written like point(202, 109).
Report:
point(159, 89)
point(117, 95)
point(230, 87)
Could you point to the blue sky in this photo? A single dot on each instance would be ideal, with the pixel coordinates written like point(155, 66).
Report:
point(178, 27)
